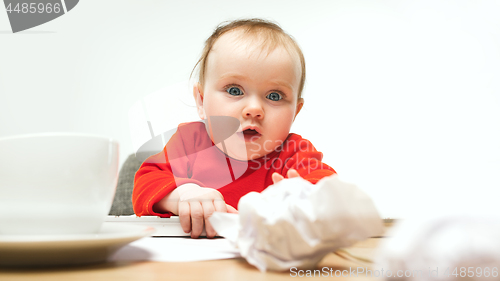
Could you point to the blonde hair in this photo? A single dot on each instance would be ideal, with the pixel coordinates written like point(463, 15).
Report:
point(271, 34)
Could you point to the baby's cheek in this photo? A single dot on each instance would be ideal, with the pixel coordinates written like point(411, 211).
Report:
point(284, 123)
point(270, 146)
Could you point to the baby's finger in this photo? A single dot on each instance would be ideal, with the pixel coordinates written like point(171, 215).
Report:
point(292, 173)
point(231, 209)
point(276, 177)
point(185, 216)
point(208, 210)
point(196, 218)
point(220, 205)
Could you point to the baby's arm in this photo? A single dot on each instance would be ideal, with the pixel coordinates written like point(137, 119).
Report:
point(194, 205)
point(158, 191)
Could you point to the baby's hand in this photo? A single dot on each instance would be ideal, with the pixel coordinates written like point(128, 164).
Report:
point(196, 204)
point(290, 174)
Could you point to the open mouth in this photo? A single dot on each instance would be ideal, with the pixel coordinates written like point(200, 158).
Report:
point(250, 135)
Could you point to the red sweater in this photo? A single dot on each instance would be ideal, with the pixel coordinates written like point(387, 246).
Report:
point(191, 157)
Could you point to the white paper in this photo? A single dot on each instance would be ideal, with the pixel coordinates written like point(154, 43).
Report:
point(438, 248)
point(173, 249)
point(295, 223)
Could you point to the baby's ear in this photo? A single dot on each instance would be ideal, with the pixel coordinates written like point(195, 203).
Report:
point(198, 98)
point(300, 103)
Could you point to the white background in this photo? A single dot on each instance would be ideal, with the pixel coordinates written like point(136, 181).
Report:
point(402, 97)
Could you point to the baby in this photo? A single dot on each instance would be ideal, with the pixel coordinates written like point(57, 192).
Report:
point(251, 76)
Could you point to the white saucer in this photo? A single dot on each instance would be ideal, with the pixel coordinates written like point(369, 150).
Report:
point(50, 250)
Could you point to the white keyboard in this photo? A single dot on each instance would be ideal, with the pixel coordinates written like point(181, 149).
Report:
point(164, 226)
point(167, 227)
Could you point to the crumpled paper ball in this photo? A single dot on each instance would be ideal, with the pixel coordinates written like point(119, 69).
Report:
point(449, 247)
point(295, 223)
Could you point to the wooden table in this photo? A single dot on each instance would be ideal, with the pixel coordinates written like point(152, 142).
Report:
point(233, 269)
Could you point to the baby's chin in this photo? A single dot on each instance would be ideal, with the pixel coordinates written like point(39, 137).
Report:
point(241, 154)
point(245, 156)
point(253, 156)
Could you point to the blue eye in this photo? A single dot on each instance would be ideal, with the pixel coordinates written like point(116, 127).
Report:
point(274, 96)
point(234, 91)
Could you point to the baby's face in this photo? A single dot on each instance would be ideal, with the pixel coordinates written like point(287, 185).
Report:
point(258, 88)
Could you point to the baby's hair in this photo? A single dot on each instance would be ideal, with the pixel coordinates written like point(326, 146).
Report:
point(271, 34)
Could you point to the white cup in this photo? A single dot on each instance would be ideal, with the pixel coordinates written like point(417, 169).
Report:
point(56, 183)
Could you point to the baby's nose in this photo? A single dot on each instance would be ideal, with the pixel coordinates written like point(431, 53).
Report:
point(253, 110)
point(253, 114)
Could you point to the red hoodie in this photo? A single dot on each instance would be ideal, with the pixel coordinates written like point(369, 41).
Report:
point(191, 157)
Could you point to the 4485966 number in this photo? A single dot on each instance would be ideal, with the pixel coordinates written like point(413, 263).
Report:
point(33, 8)
point(472, 272)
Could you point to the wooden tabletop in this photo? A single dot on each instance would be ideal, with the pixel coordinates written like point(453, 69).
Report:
point(220, 270)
